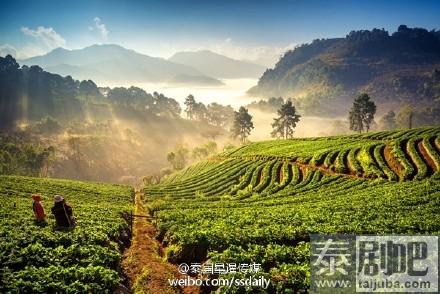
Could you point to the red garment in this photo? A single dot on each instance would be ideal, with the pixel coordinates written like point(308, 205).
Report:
point(40, 215)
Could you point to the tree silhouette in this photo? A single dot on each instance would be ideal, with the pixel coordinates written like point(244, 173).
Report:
point(286, 121)
point(242, 125)
point(362, 113)
point(190, 103)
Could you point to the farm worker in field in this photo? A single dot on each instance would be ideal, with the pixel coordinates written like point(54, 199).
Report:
point(63, 213)
point(37, 207)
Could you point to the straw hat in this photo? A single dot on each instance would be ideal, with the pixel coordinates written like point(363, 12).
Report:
point(58, 198)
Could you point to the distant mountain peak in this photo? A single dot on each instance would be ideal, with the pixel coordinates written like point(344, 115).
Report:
point(115, 64)
point(205, 53)
point(60, 49)
point(217, 65)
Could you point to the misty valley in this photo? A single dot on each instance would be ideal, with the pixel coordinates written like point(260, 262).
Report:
point(82, 130)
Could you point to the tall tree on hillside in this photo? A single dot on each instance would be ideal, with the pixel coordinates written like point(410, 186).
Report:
point(190, 104)
point(362, 113)
point(286, 121)
point(242, 125)
point(388, 121)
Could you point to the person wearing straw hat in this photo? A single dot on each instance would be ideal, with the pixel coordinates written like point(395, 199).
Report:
point(37, 207)
point(63, 213)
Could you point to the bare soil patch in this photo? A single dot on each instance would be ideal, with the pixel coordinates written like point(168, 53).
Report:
point(392, 161)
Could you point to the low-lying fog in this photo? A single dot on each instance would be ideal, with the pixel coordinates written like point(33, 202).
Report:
point(309, 126)
point(233, 92)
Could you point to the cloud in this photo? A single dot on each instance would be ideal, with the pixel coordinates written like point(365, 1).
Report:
point(47, 37)
point(26, 51)
point(6, 49)
point(102, 29)
point(43, 39)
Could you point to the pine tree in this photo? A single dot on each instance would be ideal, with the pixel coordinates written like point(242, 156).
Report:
point(242, 124)
point(362, 113)
point(286, 121)
point(190, 103)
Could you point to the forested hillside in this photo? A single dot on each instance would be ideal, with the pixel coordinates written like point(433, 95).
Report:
point(324, 76)
point(29, 93)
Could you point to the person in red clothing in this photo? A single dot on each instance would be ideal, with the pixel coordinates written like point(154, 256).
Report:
point(37, 207)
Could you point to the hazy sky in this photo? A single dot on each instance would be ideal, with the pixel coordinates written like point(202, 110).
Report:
point(255, 30)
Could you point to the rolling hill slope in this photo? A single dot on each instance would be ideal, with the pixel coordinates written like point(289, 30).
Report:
point(259, 203)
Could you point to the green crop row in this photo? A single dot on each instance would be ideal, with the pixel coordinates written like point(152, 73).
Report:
point(36, 258)
point(422, 169)
point(352, 162)
point(430, 149)
point(378, 155)
point(334, 205)
point(330, 158)
point(397, 150)
point(275, 177)
point(340, 165)
point(368, 163)
point(266, 177)
point(245, 179)
point(286, 173)
point(302, 196)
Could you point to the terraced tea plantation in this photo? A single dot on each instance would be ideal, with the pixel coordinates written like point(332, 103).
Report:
point(259, 203)
point(38, 259)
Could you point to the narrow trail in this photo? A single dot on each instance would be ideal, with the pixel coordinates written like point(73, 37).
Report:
point(143, 262)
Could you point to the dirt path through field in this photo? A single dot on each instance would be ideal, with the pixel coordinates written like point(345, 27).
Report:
point(143, 262)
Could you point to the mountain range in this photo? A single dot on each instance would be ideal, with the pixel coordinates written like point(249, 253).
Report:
point(218, 66)
point(325, 75)
point(115, 64)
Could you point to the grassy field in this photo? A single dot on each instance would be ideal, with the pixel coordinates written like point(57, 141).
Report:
point(260, 202)
point(38, 259)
